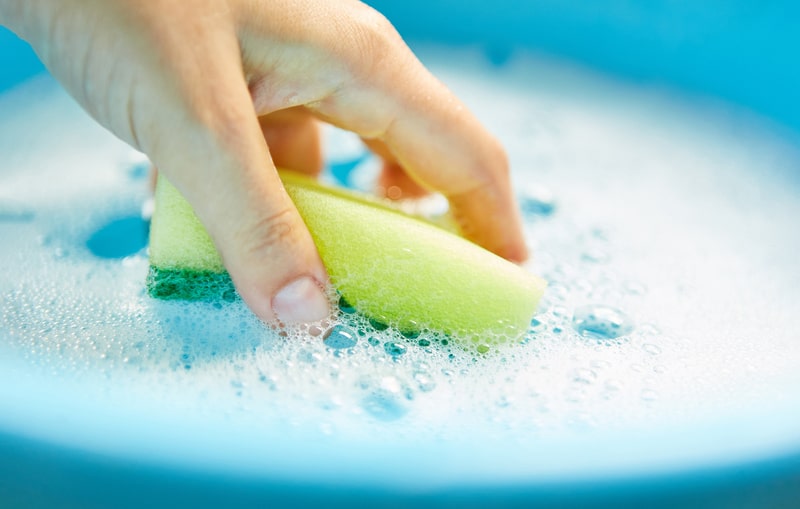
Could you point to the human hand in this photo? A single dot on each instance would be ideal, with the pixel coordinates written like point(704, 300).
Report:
point(219, 92)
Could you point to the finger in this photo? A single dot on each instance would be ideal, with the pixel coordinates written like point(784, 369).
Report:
point(293, 138)
point(367, 80)
point(202, 132)
point(444, 148)
point(393, 181)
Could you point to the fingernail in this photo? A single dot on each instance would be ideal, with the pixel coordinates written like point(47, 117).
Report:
point(301, 301)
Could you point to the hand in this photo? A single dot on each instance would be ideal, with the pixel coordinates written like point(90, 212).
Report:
point(219, 92)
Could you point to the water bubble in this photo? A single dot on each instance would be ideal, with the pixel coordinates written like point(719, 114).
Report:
point(601, 322)
point(536, 325)
point(394, 349)
point(378, 325)
point(384, 406)
point(271, 381)
point(340, 337)
point(308, 357)
point(345, 306)
point(410, 333)
point(424, 381)
point(384, 403)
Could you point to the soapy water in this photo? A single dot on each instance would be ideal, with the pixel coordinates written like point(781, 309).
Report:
point(663, 225)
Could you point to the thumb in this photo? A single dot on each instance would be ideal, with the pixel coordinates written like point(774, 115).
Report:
point(208, 142)
point(235, 191)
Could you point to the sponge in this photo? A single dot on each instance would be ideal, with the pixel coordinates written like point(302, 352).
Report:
point(392, 267)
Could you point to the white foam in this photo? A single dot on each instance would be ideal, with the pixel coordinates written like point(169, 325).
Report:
point(676, 211)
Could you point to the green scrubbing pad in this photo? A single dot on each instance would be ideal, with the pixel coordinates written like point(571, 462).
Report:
point(390, 266)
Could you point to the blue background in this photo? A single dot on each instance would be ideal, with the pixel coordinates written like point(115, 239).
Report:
point(741, 51)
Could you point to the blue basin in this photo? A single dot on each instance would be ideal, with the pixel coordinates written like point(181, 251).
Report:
point(63, 445)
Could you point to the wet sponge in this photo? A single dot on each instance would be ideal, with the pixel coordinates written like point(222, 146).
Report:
point(390, 266)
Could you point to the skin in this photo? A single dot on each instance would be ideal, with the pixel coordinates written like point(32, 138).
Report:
point(219, 92)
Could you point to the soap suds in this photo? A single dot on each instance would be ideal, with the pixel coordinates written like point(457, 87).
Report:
point(664, 226)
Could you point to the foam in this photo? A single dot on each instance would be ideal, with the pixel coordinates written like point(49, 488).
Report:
point(652, 206)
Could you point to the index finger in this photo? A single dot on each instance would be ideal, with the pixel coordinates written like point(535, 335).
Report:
point(437, 140)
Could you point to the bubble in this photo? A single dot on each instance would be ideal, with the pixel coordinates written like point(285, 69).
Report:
point(340, 337)
point(411, 334)
point(601, 322)
point(385, 402)
point(345, 307)
point(378, 325)
point(537, 325)
point(384, 406)
point(394, 348)
point(425, 381)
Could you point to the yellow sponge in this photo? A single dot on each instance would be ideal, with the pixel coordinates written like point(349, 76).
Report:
point(392, 267)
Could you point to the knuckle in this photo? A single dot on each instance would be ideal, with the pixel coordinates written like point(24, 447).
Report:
point(268, 234)
point(374, 36)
